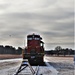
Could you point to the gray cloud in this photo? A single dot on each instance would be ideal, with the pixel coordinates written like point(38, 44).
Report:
point(49, 18)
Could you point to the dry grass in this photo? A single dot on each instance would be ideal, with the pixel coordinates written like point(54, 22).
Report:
point(9, 56)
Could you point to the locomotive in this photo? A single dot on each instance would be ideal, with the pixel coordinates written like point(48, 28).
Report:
point(34, 51)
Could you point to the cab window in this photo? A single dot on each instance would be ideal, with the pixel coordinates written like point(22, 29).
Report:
point(36, 38)
point(29, 38)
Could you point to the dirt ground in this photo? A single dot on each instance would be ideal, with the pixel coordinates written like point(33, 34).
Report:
point(65, 65)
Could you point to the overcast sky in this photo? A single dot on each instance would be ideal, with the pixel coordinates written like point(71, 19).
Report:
point(52, 19)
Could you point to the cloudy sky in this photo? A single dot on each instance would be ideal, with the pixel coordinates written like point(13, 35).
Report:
point(52, 19)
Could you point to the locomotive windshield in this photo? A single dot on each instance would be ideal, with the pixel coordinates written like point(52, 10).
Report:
point(35, 37)
point(29, 38)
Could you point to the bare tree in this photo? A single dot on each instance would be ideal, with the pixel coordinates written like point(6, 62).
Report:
point(57, 49)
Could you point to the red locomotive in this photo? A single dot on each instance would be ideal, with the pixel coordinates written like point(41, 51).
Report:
point(34, 51)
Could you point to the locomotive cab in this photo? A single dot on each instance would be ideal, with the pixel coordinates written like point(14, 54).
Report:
point(34, 51)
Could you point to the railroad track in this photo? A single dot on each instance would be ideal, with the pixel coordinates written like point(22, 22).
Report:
point(27, 69)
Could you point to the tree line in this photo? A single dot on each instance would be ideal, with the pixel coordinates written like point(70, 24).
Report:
point(57, 51)
point(10, 50)
point(60, 51)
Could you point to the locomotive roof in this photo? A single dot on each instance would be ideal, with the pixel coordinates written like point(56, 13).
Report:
point(35, 35)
